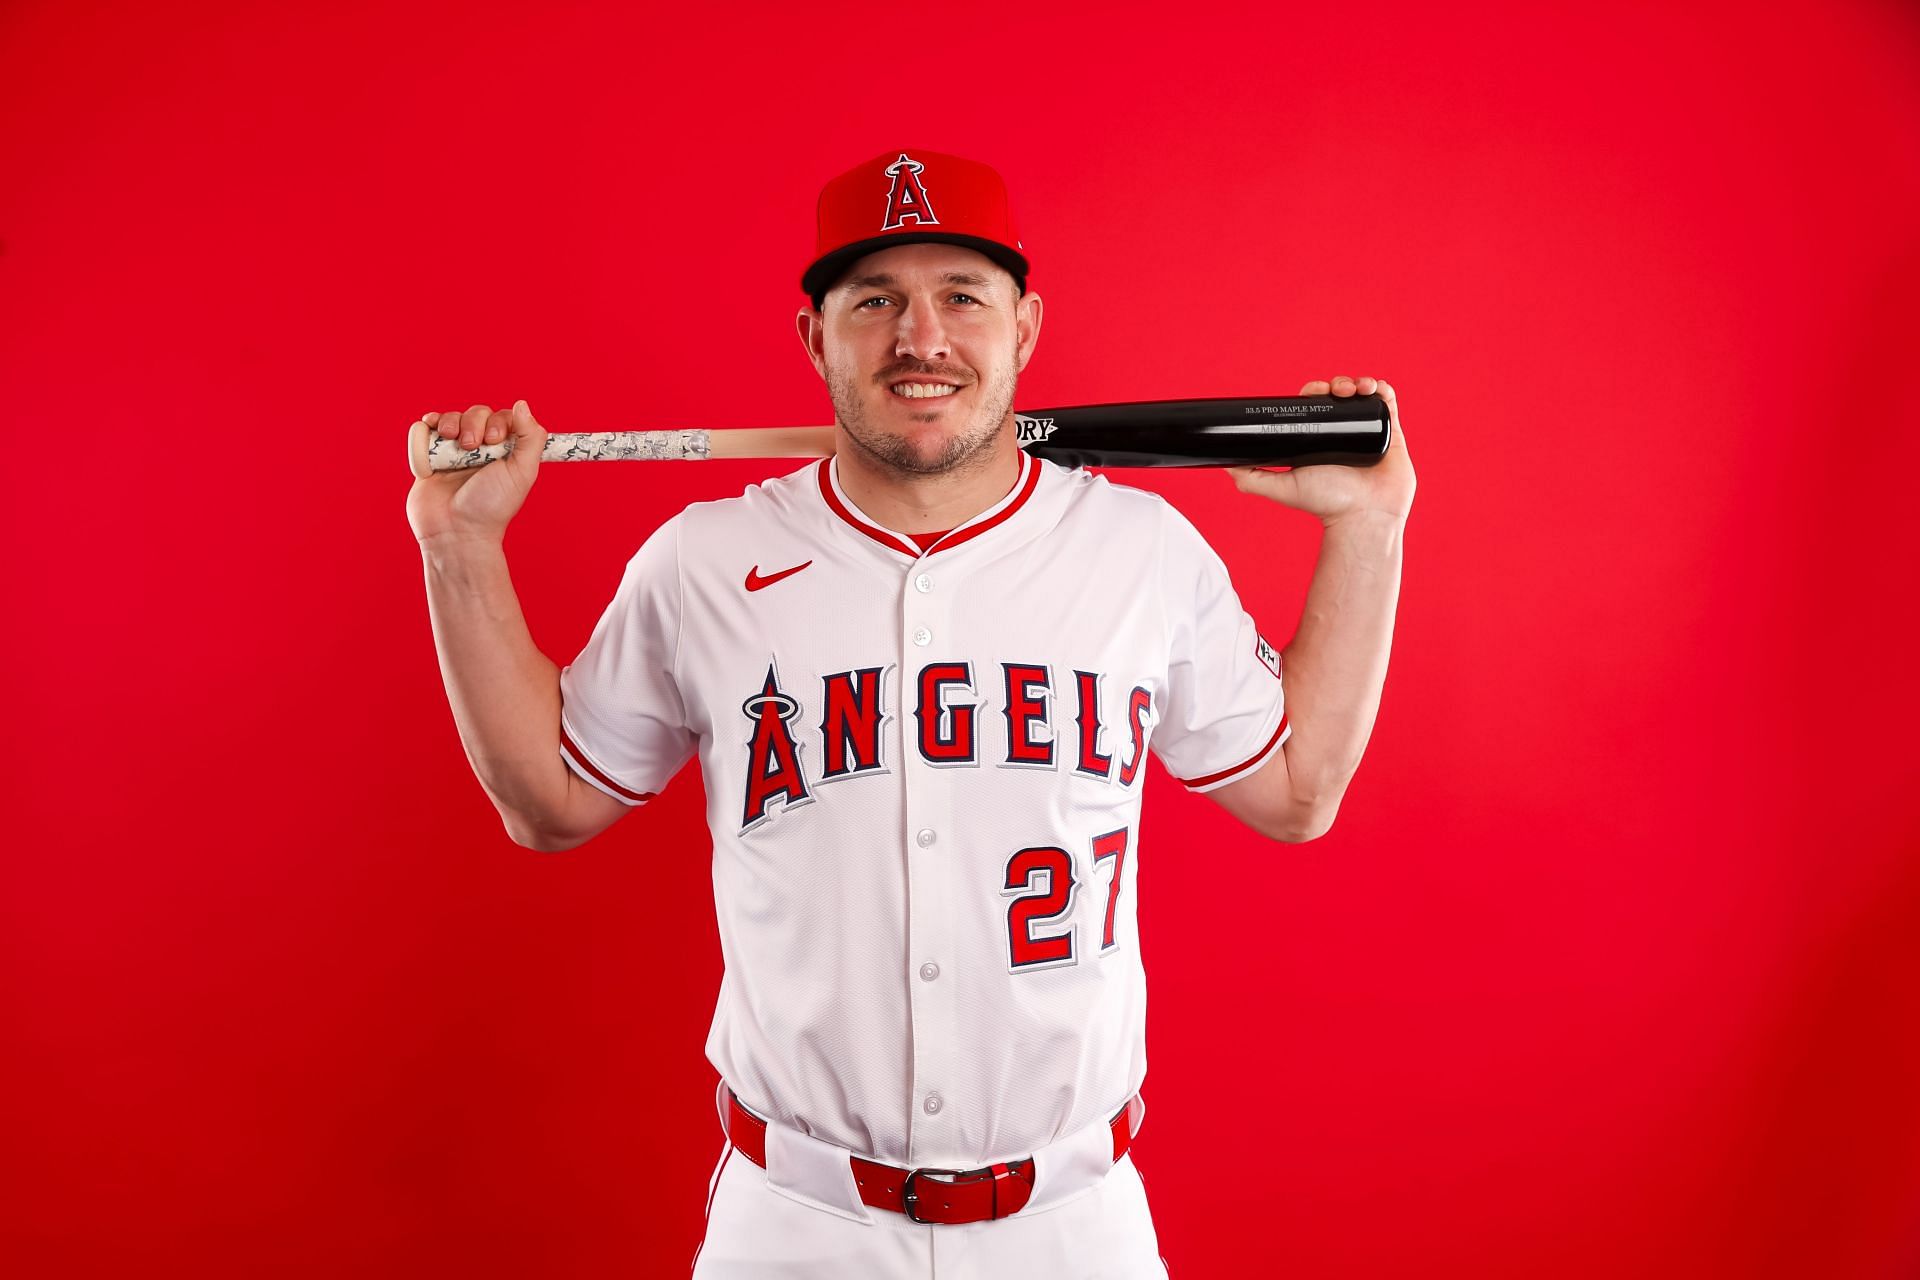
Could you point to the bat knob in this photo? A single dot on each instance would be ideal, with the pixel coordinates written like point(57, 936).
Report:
point(417, 457)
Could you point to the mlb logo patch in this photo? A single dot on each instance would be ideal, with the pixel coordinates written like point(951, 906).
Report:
point(1268, 658)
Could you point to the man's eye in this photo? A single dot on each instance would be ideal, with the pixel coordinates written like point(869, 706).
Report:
point(875, 298)
point(964, 297)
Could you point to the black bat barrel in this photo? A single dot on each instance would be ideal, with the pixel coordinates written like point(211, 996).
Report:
point(1271, 431)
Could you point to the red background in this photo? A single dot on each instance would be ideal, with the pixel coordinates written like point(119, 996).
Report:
point(1610, 965)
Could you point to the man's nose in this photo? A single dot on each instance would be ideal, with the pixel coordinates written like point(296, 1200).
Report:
point(921, 333)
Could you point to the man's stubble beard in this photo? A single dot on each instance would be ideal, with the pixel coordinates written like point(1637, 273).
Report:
point(969, 451)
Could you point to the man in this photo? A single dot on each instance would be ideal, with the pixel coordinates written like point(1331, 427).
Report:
point(922, 677)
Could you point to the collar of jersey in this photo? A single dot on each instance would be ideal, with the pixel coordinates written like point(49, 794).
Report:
point(837, 502)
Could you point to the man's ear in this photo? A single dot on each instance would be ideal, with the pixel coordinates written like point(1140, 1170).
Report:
point(1026, 324)
point(813, 336)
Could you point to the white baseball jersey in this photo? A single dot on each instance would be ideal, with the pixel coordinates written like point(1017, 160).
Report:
point(923, 775)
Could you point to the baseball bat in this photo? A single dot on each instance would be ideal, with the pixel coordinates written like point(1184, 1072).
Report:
point(1228, 431)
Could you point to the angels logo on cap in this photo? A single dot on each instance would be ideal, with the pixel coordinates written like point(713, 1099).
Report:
point(900, 186)
point(907, 198)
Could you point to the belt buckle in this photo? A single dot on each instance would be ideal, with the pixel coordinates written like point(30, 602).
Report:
point(956, 1178)
point(911, 1198)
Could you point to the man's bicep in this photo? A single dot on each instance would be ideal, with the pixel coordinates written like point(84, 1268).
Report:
point(1264, 802)
point(589, 811)
point(623, 718)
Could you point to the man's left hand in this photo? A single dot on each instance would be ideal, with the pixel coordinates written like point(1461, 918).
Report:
point(1335, 492)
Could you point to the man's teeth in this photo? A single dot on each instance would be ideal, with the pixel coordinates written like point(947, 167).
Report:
point(922, 390)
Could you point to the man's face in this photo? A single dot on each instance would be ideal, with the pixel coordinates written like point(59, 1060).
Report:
point(920, 346)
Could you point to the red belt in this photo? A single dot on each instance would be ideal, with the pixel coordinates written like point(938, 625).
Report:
point(945, 1196)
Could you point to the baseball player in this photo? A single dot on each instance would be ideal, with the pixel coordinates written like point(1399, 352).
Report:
point(922, 678)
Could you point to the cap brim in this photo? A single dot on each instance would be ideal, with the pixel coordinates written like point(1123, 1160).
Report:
point(826, 273)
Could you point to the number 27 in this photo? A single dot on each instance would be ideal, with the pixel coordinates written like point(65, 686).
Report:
point(1042, 884)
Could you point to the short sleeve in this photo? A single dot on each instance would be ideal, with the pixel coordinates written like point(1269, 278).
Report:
point(1225, 706)
point(622, 721)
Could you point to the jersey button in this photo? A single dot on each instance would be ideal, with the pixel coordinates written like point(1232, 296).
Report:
point(932, 1105)
point(925, 837)
point(923, 583)
point(929, 971)
point(923, 636)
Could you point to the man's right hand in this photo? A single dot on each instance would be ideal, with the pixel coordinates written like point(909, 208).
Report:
point(480, 501)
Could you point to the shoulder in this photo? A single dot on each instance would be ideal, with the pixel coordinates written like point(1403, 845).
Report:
point(762, 506)
point(1090, 496)
point(1094, 498)
point(714, 529)
point(762, 499)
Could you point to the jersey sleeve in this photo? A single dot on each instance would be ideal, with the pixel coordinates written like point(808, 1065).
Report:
point(1225, 707)
point(622, 721)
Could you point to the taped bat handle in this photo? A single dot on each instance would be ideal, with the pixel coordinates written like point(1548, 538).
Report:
point(428, 452)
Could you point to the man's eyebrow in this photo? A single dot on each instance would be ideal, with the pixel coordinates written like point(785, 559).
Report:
point(885, 281)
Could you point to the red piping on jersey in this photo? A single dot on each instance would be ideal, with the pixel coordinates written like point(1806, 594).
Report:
point(880, 536)
point(1224, 773)
point(1025, 488)
point(1020, 500)
point(580, 758)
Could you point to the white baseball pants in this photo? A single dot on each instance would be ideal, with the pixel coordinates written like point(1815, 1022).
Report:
point(755, 1232)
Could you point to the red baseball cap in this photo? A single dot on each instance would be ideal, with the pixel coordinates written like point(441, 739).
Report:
point(905, 197)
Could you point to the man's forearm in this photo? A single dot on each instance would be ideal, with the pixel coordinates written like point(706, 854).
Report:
point(504, 692)
point(1337, 662)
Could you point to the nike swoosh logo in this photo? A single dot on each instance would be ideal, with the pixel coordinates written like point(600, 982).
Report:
point(755, 581)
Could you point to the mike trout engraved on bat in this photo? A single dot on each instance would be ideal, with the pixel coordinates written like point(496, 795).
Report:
point(1228, 431)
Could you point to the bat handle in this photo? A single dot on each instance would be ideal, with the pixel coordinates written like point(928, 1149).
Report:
point(429, 453)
